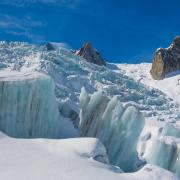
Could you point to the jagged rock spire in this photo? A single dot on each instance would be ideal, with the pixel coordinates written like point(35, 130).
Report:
point(90, 54)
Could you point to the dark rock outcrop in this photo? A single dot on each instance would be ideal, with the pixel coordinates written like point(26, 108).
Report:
point(91, 55)
point(50, 47)
point(166, 60)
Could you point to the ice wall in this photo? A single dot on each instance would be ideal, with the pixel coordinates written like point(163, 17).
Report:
point(28, 106)
point(116, 126)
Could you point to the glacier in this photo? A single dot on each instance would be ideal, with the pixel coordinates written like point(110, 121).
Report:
point(68, 73)
point(116, 126)
point(28, 106)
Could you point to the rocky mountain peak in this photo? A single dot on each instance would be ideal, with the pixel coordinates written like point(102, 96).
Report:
point(166, 60)
point(90, 54)
point(49, 46)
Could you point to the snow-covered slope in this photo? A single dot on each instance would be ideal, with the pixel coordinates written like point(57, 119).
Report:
point(140, 72)
point(70, 159)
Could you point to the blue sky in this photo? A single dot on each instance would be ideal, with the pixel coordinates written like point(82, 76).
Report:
point(122, 30)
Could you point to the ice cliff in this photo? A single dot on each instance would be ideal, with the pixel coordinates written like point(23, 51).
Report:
point(28, 106)
point(116, 126)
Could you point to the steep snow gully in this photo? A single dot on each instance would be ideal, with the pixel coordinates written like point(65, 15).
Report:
point(136, 123)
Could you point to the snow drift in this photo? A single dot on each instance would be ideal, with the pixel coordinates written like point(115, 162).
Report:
point(65, 159)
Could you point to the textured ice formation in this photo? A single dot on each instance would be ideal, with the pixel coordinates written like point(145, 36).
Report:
point(28, 106)
point(116, 126)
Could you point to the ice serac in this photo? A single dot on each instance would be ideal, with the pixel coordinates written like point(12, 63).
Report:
point(116, 126)
point(161, 146)
point(28, 107)
point(165, 152)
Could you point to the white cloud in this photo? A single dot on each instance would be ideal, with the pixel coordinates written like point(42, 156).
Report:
point(61, 44)
point(28, 34)
point(22, 3)
point(7, 21)
point(20, 27)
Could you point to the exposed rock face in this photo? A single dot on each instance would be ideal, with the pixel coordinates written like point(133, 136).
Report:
point(166, 60)
point(91, 55)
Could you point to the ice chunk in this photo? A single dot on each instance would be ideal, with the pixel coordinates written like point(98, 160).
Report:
point(28, 106)
point(117, 127)
point(165, 152)
point(152, 130)
point(171, 130)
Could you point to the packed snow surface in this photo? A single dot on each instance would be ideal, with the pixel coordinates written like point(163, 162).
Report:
point(70, 159)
